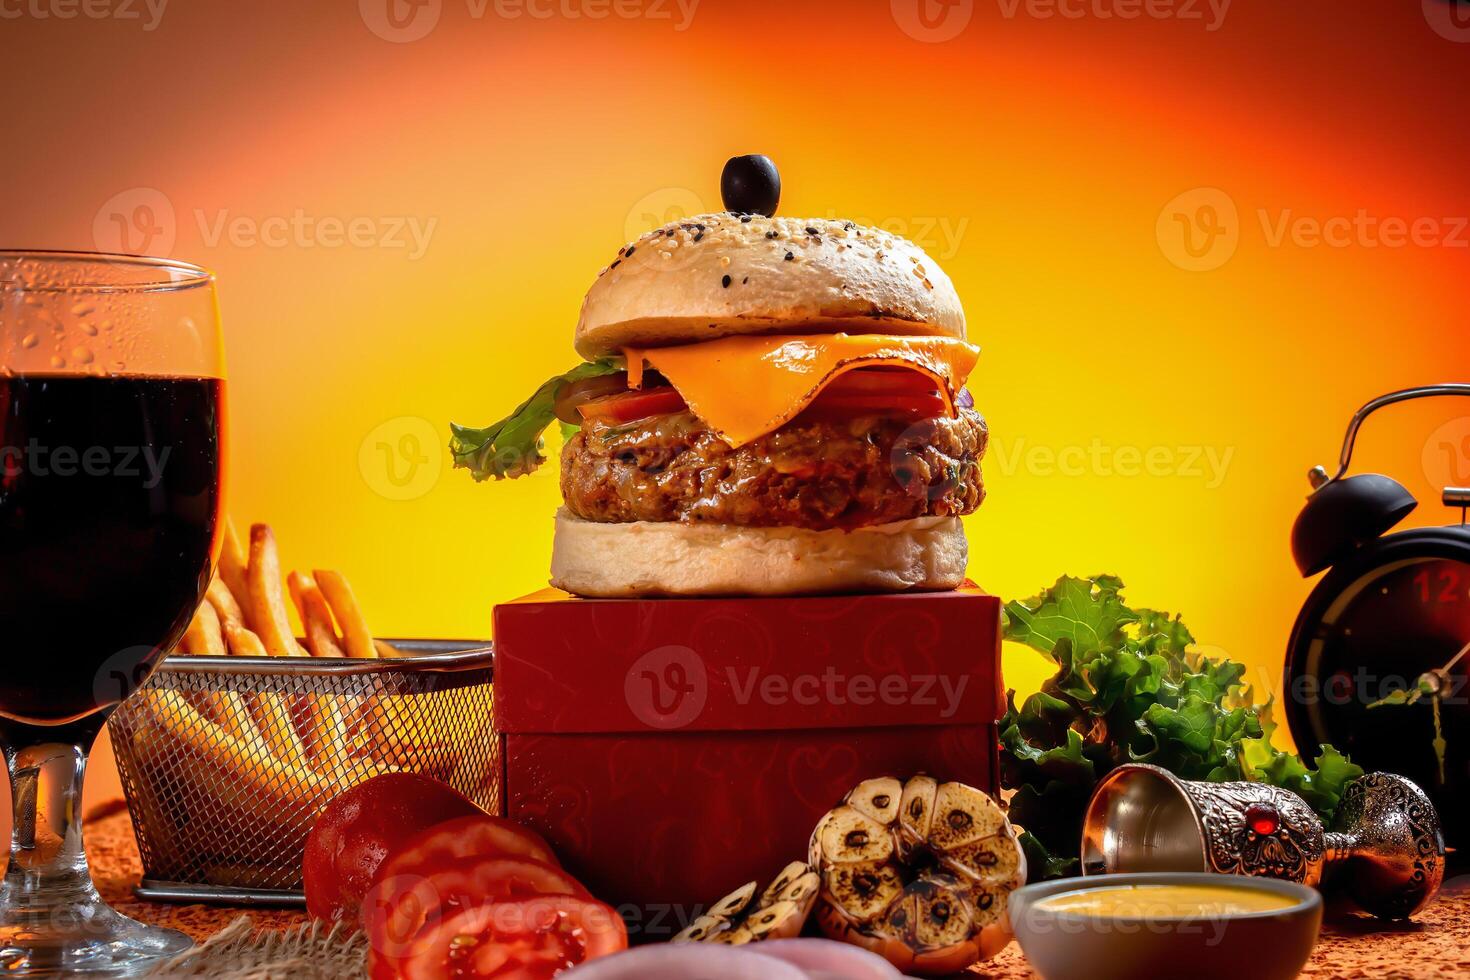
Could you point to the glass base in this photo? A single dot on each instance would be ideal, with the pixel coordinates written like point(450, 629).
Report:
point(83, 939)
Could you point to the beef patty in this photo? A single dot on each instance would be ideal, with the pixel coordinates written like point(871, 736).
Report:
point(810, 473)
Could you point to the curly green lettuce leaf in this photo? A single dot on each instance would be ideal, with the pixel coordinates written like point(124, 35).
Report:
point(1130, 687)
point(512, 447)
point(1087, 612)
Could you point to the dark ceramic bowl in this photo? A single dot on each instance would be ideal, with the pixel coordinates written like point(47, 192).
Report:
point(1062, 945)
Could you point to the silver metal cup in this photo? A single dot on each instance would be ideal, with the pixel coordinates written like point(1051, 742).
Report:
point(1386, 849)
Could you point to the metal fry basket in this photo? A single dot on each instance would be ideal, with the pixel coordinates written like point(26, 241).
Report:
point(221, 794)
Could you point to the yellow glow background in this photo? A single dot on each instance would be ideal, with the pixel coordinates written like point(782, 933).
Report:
point(1036, 157)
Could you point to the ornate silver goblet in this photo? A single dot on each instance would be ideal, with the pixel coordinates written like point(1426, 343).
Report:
point(1386, 849)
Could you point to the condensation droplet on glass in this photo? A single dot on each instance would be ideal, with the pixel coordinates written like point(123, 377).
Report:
point(58, 362)
point(90, 329)
point(81, 355)
point(29, 340)
point(82, 309)
point(119, 365)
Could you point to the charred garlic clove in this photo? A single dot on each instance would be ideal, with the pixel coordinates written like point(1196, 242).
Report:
point(780, 912)
point(918, 872)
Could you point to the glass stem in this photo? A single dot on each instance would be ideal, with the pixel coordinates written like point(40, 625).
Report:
point(48, 866)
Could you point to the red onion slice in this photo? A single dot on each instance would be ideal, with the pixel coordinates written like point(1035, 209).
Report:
point(824, 959)
point(686, 961)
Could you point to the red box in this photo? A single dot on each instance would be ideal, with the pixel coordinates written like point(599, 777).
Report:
point(672, 749)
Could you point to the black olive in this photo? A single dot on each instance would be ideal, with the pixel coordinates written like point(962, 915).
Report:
point(751, 185)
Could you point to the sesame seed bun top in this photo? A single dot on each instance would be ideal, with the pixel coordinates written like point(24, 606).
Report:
point(718, 275)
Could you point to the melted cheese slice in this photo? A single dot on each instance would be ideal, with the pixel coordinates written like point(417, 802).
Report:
point(745, 387)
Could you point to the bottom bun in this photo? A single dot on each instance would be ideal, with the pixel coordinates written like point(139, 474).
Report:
point(645, 558)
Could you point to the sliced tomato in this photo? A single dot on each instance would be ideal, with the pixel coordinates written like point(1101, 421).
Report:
point(360, 827)
point(396, 909)
point(881, 380)
point(533, 939)
point(629, 406)
point(475, 836)
point(572, 396)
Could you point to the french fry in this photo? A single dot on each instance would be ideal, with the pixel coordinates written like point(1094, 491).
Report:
point(355, 631)
point(263, 794)
point(203, 638)
point(225, 604)
point(232, 562)
point(269, 711)
point(326, 727)
point(211, 741)
point(316, 616)
point(266, 607)
point(326, 732)
point(232, 715)
point(386, 650)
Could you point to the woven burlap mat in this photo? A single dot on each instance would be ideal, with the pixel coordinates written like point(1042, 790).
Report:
point(242, 952)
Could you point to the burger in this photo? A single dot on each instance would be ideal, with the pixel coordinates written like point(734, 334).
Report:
point(768, 406)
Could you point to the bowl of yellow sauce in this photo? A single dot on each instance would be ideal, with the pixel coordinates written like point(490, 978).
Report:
point(1166, 925)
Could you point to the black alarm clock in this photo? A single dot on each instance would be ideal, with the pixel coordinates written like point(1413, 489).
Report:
point(1378, 660)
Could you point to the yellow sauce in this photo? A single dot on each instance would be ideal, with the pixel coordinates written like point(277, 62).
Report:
point(1166, 901)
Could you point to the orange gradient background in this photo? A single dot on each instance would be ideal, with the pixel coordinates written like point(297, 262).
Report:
point(1035, 154)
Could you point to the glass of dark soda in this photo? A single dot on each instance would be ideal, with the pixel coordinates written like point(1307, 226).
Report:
point(111, 457)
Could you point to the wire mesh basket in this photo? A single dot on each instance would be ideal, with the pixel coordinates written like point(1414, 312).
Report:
point(226, 761)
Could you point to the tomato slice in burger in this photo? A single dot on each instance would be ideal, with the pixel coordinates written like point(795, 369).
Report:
point(879, 391)
point(533, 939)
point(396, 909)
point(630, 406)
point(881, 381)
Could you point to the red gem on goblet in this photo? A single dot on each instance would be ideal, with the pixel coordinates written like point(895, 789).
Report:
point(1262, 818)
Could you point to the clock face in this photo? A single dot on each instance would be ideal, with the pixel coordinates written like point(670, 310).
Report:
point(1383, 676)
